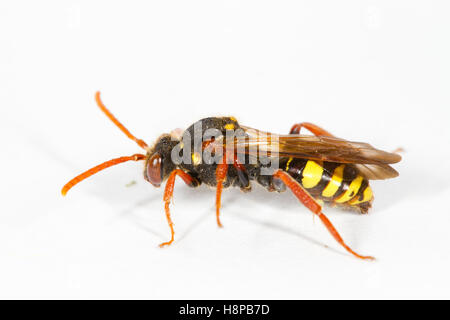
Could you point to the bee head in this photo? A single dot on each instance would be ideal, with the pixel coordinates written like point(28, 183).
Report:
point(159, 164)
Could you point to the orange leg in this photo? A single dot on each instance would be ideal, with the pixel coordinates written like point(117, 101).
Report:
point(309, 202)
point(316, 130)
point(168, 194)
point(221, 174)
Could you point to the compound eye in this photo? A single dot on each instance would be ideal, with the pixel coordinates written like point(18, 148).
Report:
point(154, 170)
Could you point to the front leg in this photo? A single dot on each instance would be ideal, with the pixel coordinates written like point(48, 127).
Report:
point(191, 181)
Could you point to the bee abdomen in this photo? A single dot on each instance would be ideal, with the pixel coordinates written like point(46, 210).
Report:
point(334, 183)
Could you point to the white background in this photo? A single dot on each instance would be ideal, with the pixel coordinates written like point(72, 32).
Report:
point(374, 71)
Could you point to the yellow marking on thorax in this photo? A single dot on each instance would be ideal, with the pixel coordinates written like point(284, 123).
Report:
point(352, 190)
point(312, 174)
point(196, 158)
point(367, 196)
point(289, 163)
point(335, 182)
point(229, 126)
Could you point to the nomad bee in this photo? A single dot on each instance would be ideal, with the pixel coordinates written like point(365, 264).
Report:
point(221, 153)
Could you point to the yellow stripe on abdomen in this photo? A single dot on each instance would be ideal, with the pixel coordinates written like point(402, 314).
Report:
point(367, 196)
point(335, 182)
point(352, 190)
point(312, 174)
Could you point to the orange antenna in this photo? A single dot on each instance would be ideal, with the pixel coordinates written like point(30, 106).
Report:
point(100, 167)
point(100, 104)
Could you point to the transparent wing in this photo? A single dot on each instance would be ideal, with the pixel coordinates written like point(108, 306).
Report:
point(371, 162)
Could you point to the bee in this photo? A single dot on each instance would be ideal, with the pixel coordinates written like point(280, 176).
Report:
point(318, 169)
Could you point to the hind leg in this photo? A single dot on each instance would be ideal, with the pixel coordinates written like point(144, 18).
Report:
point(308, 201)
point(316, 130)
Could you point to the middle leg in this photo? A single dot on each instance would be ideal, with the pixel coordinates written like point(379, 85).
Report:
point(221, 175)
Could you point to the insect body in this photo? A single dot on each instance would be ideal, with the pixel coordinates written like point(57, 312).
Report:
point(334, 183)
point(318, 168)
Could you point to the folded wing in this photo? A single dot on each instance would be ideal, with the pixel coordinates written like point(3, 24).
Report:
point(371, 162)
